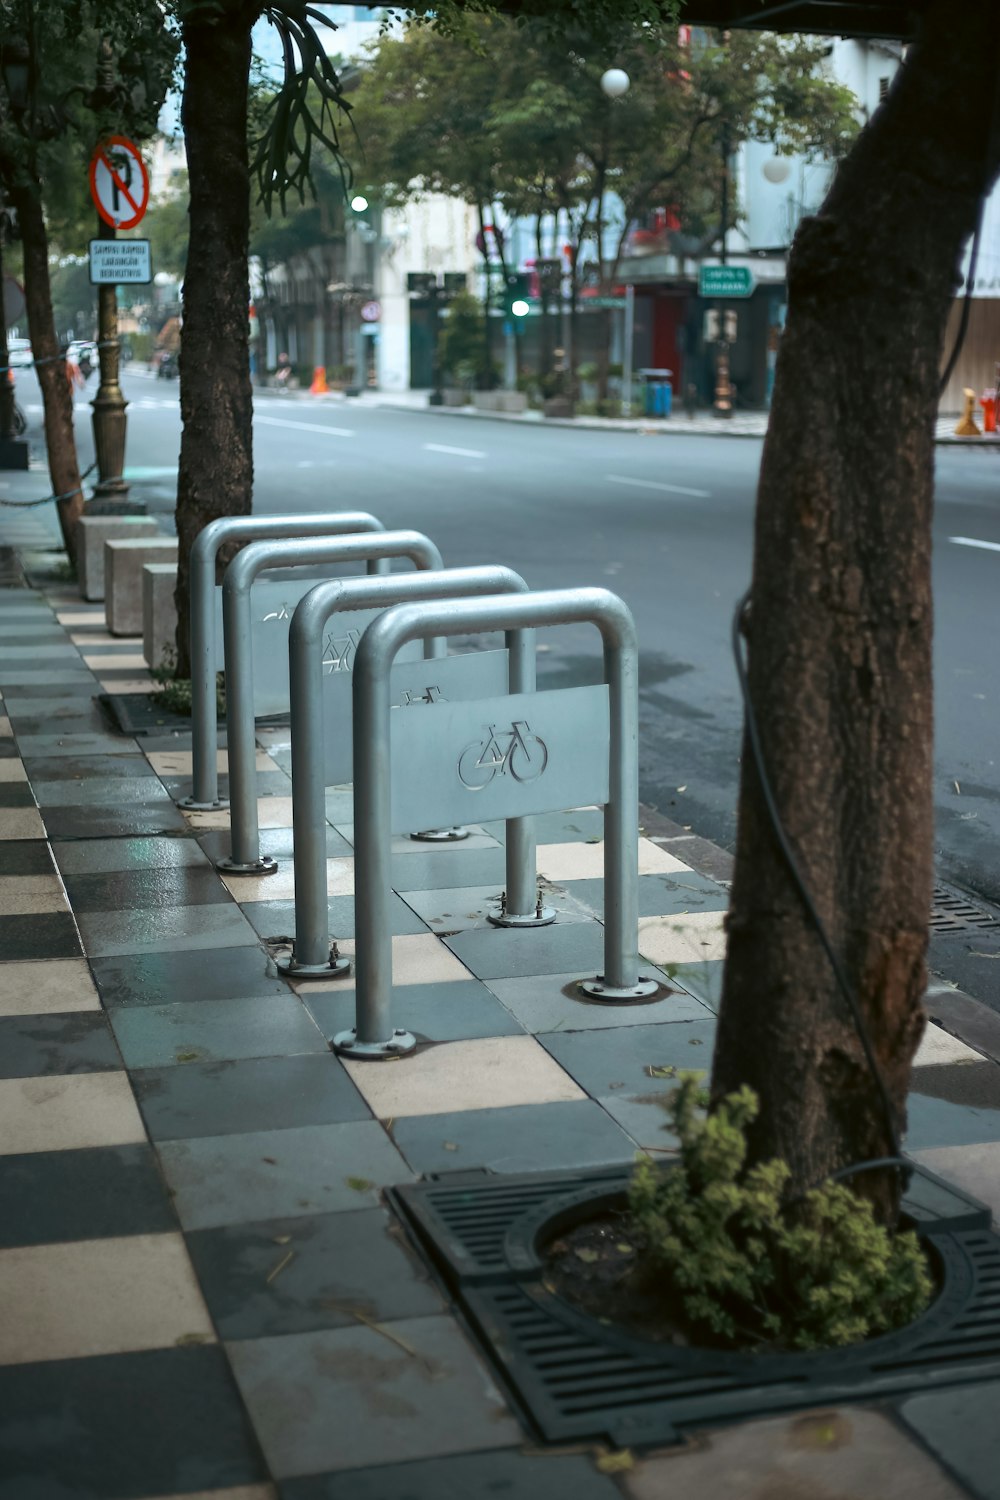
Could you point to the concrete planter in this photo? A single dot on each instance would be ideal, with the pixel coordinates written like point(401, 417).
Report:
point(513, 401)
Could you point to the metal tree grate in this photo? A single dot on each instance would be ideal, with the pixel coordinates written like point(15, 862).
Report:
point(574, 1378)
point(951, 912)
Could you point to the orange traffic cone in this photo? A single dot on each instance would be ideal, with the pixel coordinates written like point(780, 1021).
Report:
point(319, 386)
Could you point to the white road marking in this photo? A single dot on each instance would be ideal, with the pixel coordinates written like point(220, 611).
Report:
point(458, 452)
point(655, 484)
point(970, 541)
point(304, 426)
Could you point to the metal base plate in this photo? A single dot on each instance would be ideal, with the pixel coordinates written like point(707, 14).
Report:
point(440, 835)
point(346, 1043)
point(609, 994)
point(190, 805)
point(535, 918)
point(292, 969)
point(263, 866)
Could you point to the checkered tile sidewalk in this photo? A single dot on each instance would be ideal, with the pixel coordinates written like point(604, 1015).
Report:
point(201, 1292)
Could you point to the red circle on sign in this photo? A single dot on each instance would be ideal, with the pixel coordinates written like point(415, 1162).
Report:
point(133, 203)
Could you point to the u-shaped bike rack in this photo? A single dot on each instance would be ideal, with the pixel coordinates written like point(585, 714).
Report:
point(237, 626)
point(205, 639)
point(318, 721)
point(590, 742)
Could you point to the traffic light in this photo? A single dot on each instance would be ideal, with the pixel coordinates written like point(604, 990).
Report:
point(515, 295)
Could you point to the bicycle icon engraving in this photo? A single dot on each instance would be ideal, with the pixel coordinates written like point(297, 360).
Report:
point(517, 751)
point(284, 613)
point(339, 652)
point(429, 695)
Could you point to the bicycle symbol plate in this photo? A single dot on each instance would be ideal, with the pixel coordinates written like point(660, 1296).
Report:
point(503, 757)
point(273, 601)
point(412, 683)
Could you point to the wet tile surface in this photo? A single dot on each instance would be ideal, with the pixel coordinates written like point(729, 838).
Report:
point(316, 1397)
point(100, 821)
point(552, 1002)
point(227, 1098)
point(162, 978)
point(273, 1174)
point(507, 953)
point(50, 934)
point(432, 1012)
point(154, 1423)
point(100, 857)
point(48, 1196)
point(659, 895)
point(149, 889)
point(277, 918)
point(474, 1476)
point(959, 1428)
point(31, 1046)
point(148, 931)
point(528, 1138)
point(212, 1031)
point(295, 1275)
point(46, 987)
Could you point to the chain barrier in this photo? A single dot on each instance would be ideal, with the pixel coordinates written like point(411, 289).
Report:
point(51, 359)
point(27, 504)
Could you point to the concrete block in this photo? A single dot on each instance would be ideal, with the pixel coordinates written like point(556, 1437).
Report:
point(159, 612)
point(88, 539)
point(123, 564)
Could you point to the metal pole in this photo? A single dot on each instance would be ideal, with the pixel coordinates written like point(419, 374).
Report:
point(109, 419)
point(314, 956)
point(522, 900)
point(627, 354)
point(245, 857)
point(374, 1035)
point(204, 652)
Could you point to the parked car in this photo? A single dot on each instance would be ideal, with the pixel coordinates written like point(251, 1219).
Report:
point(19, 352)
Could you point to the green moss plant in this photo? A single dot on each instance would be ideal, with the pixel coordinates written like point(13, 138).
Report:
point(747, 1267)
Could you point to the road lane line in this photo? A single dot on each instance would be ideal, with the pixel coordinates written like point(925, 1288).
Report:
point(303, 426)
point(970, 541)
point(458, 452)
point(655, 484)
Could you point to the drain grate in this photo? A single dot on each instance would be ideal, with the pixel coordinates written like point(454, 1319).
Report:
point(574, 1378)
point(951, 912)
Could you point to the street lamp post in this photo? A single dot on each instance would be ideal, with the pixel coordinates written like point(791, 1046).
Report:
point(615, 83)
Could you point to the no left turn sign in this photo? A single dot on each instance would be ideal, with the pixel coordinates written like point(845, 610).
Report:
point(119, 182)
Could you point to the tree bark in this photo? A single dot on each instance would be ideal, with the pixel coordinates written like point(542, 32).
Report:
point(216, 461)
point(57, 394)
point(840, 631)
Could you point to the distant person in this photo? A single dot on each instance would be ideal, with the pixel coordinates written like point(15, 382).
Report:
point(283, 372)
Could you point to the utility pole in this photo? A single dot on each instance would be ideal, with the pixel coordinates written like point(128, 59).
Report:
point(109, 404)
point(723, 403)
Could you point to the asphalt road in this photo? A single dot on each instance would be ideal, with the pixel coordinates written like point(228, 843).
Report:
point(664, 521)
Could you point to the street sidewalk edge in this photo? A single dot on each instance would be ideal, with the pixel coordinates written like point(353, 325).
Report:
point(952, 1009)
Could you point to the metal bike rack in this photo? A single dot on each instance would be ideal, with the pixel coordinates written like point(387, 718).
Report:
point(206, 636)
point(574, 746)
point(238, 639)
point(320, 691)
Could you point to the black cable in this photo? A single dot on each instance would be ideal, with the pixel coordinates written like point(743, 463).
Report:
point(843, 984)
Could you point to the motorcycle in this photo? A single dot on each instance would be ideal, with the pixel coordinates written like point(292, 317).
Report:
point(168, 368)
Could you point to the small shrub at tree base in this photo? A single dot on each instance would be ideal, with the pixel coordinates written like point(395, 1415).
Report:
point(744, 1268)
point(176, 694)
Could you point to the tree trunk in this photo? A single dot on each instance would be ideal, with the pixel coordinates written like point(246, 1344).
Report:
point(840, 632)
point(57, 394)
point(216, 462)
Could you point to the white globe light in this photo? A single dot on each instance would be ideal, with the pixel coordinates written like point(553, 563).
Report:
point(615, 82)
point(359, 203)
point(776, 169)
point(520, 308)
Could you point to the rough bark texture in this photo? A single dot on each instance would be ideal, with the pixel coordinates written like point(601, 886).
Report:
point(840, 635)
point(57, 395)
point(216, 461)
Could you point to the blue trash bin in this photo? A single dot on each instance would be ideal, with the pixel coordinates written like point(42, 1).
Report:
point(659, 392)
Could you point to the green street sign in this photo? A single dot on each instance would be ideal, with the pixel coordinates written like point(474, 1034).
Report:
point(725, 281)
